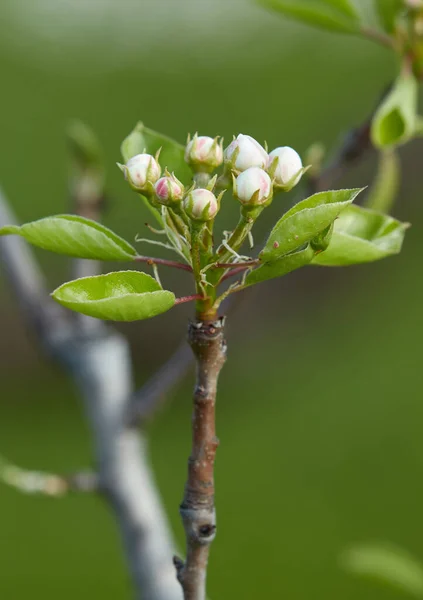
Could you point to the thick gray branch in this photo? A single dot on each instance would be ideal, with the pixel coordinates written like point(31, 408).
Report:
point(102, 370)
point(98, 360)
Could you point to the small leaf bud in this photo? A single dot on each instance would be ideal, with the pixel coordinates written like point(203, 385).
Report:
point(286, 167)
point(201, 205)
point(253, 187)
point(203, 153)
point(245, 152)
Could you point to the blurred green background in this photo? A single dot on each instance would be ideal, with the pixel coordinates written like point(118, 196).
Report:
point(320, 411)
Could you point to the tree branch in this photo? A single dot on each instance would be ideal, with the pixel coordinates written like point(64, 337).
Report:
point(148, 400)
point(47, 484)
point(98, 360)
point(197, 509)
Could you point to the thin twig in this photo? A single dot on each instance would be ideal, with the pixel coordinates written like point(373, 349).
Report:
point(184, 299)
point(153, 394)
point(47, 484)
point(197, 509)
point(374, 35)
point(163, 262)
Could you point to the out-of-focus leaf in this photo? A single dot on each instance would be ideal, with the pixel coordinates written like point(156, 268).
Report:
point(332, 15)
point(85, 146)
point(395, 120)
point(388, 10)
point(142, 139)
point(281, 266)
point(305, 221)
point(387, 564)
point(120, 296)
point(386, 185)
point(361, 235)
point(74, 236)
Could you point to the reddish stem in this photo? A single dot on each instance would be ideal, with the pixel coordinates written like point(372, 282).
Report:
point(189, 298)
point(234, 272)
point(162, 261)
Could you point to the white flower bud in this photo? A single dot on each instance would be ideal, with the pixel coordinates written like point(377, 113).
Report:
point(287, 166)
point(204, 153)
point(169, 190)
point(141, 170)
point(201, 205)
point(245, 152)
point(253, 187)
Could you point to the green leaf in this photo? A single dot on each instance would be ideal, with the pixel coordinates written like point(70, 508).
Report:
point(305, 221)
point(395, 120)
point(361, 235)
point(388, 564)
point(85, 146)
point(74, 236)
point(344, 6)
point(385, 188)
point(120, 296)
point(142, 139)
point(388, 10)
point(332, 15)
point(280, 267)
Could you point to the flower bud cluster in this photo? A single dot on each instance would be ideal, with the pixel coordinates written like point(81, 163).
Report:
point(255, 173)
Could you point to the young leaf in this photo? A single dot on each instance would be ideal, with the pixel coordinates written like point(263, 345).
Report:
point(395, 120)
point(281, 266)
point(74, 236)
point(387, 564)
point(305, 221)
point(361, 235)
point(332, 15)
point(142, 139)
point(120, 296)
point(385, 188)
point(388, 11)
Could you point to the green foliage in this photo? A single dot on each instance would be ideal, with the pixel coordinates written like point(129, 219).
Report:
point(332, 15)
point(142, 139)
point(386, 185)
point(305, 221)
point(361, 235)
point(388, 11)
point(282, 266)
point(395, 121)
point(85, 147)
point(120, 296)
point(386, 564)
point(74, 236)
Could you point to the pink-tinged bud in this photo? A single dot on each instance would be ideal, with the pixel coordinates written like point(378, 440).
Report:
point(201, 205)
point(286, 167)
point(245, 152)
point(416, 4)
point(203, 153)
point(253, 187)
point(141, 170)
point(169, 190)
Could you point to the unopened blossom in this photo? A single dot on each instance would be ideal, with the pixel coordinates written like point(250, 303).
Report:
point(169, 190)
point(288, 166)
point(204, 153)
point(245, 152)
point(201, 205)
point(141, 170)
point(253, 187)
